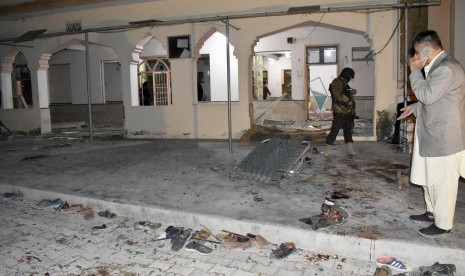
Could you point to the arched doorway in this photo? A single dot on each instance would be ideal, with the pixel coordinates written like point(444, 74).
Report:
point(301, 61)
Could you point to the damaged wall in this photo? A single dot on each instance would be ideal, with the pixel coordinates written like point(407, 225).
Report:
point(185, 118)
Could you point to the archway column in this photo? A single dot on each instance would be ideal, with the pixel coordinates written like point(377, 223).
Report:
point(44, 99)
point(7, 91)
point(7, 86)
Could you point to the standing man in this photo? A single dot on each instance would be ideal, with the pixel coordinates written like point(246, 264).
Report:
point(343, 110)
point(266, 90)
point(439, 144)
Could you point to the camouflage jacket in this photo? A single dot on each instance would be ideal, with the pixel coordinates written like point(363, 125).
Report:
point(341, 97)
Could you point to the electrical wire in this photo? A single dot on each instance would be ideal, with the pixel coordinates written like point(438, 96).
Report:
point(392, 35)
point(314, 28)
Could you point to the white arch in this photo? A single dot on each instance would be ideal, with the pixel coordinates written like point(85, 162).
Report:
point(5, 76)
point(134, 64)
point(213, 42)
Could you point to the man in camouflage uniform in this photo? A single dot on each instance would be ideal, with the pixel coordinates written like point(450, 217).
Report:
point(343, 106)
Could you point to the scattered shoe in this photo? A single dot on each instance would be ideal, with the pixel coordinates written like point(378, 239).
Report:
point(74, 208)
point(97, 229)
point(383, 271)
point(146, 225)
point(392, 263)
point(12, 196)
point(241, 242)
point(231, 240)
point(258, 240)
point(196, 246)
point(201, 234)
point(173, 232)
point(327, 205)
point(63, 206)
point(285, 249)
point(426, 217)
point(107, 214)
point(331, 214)
point(88, 213)
point(438, 269)
point(50, 203)
point(178, 242)
point(432, 231)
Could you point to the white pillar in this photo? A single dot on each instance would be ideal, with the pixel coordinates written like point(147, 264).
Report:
point(43, 91)
point(134, 84)
point(7, 90)
point(42, 82)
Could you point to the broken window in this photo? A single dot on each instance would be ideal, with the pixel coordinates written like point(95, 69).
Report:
point(212, 77)
point(271, 75)
point(322, 69)
point(362, 53)
point(322, 55)
point(203, 78)
point(154, 82)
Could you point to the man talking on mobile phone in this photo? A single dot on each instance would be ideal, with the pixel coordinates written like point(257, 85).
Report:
point(438, 157)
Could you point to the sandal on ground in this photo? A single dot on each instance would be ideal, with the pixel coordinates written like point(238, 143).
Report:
point(392, 263)
point(285, 249)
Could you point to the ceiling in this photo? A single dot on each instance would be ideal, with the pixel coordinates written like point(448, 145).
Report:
point(18, 9)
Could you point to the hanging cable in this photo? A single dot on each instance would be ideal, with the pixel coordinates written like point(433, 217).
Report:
point(314, 28)
point(392, 35)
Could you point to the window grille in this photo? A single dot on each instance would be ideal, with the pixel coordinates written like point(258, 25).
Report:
point(156, 75)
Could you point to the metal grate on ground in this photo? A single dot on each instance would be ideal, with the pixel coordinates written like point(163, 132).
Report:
point(272, 160)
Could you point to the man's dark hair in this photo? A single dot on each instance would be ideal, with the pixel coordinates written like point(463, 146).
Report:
point(428, 36)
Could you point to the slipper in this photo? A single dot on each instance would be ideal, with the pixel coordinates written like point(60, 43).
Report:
point(285, 249)
point(392, 263)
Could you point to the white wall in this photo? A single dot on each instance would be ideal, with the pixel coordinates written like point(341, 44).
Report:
point(459, 32)
point(364, 76)
point(78, 77)
point(59, 78)
point(216, 47)
point(153, 48)
point(275, 73)
point(311, 36)
point(111, 75)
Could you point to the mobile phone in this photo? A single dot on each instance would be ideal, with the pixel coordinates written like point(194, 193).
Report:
point(425, 52)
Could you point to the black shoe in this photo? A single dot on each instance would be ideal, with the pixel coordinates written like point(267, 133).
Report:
point(178, 242)
point(426, 217)
point(438, 269)
point(173, 232)
point(195, 246)
point(284, 250)
point(432, 231)
point(97, 229)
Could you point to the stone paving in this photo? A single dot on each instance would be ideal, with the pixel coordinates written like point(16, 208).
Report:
point(38, 241)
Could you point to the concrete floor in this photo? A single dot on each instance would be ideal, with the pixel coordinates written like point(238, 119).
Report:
point(188, 183)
